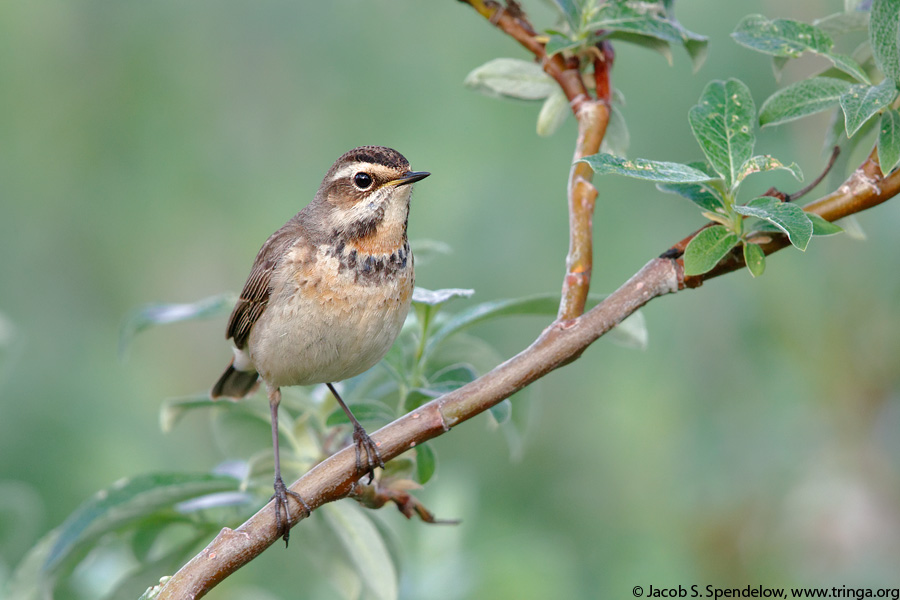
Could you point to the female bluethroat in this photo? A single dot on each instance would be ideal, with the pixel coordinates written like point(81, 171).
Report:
point(327, 295)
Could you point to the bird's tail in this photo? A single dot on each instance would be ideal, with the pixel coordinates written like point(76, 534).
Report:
point(235, 383)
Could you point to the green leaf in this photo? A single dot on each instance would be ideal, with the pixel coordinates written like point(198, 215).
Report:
point(570, 10)
point(788, 38)
point(780, 37)
point(129, 500)
point(758, 164)
point(822, 227)
point(722, 122)
point(617, 138)
point(537, 305)
point(843, 22)
point(162, 314)
point(632, 332)
point(365, 547)
point(438, 297)
point(650, 43)
point(648, 170)
point(802, 98)
point(755, 259)
point(426, 250)
point(425, 462)
point(511, 78)
point(861, 102)
point(889, 141)
point(789, 218)
point(558, 43)
point(363, 411)
point(707, 248)
point(173, 409)
point(616, 16)
point(501, 412)
point(704, 194)
point(553, 113)
point(884, 27)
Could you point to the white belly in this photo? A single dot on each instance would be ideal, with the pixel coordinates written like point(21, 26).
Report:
point(327, 330)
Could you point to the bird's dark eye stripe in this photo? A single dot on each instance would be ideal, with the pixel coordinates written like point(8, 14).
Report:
point(362, 180)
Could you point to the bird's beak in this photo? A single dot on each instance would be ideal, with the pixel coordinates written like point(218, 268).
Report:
point(410, 177)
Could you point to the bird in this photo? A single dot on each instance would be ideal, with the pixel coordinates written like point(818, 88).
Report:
point(327, 296)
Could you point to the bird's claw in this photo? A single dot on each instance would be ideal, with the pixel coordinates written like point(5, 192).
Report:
point(282, 512)
point(365, 445)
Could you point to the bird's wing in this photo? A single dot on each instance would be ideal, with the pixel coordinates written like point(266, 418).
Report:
point(255, 295)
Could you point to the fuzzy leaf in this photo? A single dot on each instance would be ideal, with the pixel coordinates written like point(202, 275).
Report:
point(363, 411)
point(758, 164)
point(704, 194)
point(173, 409)
point(889, 141)
point(616, 16)
point(649, 170)
point(162, 314)
point(425, 463)
point(707, 248)
point(571, 10)
point(438, 297)
point(884, 27)
point(722, 122)
point(365, 546)
point(128, 500)
point(823, 227)
point(553, 113)
point(755, 259)
point(617, 138)
point(788, 38)
point(802, 98)
point(789, 218)
point(558, 43)
point(538, 305)
point(861, 102)
point(511, 78)
point(843, 22)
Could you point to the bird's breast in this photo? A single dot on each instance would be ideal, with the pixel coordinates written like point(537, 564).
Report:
point(333, 312)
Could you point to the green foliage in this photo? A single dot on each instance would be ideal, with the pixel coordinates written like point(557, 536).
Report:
point(722, 123)
point(132, 516)
point(585, 24)
point(889, 141)
point(785, 38)
point(164, 313)
point(707, 248)
point(885, 26)
point(789, 218)
point(433, 356)
point(649, 170)
point(860, 103)
point(802, 98)
point(755, 259)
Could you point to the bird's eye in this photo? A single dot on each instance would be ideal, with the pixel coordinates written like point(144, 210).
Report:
point(362, 180)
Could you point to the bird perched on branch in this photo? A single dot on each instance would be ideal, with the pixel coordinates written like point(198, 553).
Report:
point(327, 295)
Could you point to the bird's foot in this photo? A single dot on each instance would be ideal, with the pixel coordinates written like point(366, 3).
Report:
point(282, 512)
point(365, 446)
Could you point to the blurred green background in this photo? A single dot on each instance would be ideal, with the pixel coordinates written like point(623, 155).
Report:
point(148, 148)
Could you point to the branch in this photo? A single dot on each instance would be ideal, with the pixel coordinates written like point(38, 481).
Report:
point(592, 115)
point(559, 344)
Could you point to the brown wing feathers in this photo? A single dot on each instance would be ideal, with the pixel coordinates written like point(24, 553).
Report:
point(255, 295)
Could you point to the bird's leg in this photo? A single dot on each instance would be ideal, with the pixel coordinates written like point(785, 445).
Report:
point(282, 513)
point(362, 441)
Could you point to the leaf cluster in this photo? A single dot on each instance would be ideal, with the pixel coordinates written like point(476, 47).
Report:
point(863, 87)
